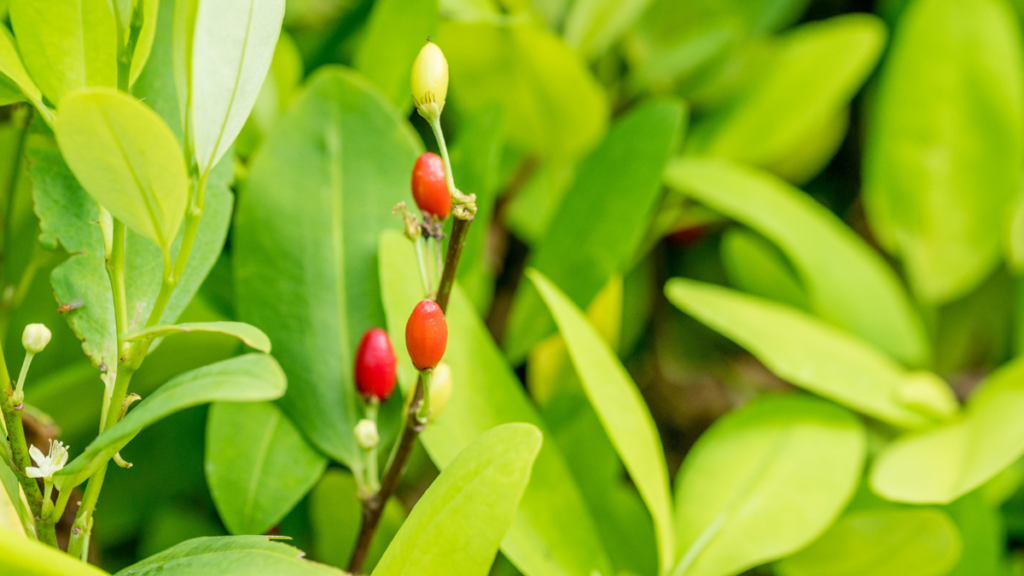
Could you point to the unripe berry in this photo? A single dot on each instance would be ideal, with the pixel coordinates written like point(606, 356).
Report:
point(429, 81)
point(375, 365)
point(441, 386)
point(426, 335)
point(430, 187)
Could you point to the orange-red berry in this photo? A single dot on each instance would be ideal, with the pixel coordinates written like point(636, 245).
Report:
point(375, 365)
point(426, 335)
point(430, 187)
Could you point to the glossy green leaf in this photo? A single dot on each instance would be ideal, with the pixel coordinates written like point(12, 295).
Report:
point(335, 513)
point(559, 109)
point(755, 266)
point(554, 533)
point(229, 556)
point(127, 158)
point(983, 534)
point(942, 464)
point(765, 481)
point(320, 190)
point(15, 83)
point(815, 356)
point(945, 143)
point(149, 11)
point(591, 26)
point(182, 43)
point(251, 335)
point(456, 527)
point(24, 557)
point(258, 465)
point(621, 408)
point(66, 44)
point(887, 541)
point(603, 216)
point(232, 46)
point(828, 60)
point(249, 378)
point(394, 35)
point(848, 284)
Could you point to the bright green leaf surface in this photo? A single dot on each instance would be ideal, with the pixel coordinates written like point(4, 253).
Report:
point(229, 556)
point(765, 481)
point(14, 512)
point(809, 353)
point(320, 190)
point(603, 217)
point(946, 142)
point(593, 25)
point(127, 158)
point(888, 541)
point(15, 83)
point(395, 33)
point(559, 109)
point(621, 408)
point(983, 535)
point(150, 10)
point(553, 534)
point(828, 60)
point(251, 335)
point(756, 267)
point(66, 44)
point(24, 557)
point(258, 465)
point(335, 513)
point(848, 284)
point(249, 378)
point(456, 527)
point(942, 464)
point(232, 47)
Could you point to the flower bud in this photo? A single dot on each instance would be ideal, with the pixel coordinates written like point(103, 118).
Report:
point(366, 434)
point(35, 338)
point(375, 365)
point(430, 186)
point(430, 81)
point(426, 335)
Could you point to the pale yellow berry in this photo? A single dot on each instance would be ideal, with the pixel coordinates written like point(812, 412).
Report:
point(430, 81)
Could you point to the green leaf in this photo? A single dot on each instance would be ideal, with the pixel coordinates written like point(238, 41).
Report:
point(887, 541)
point(394, 35)
point(15, 83)
point(621, 408)
point(456, 527)
point(952, 89)
point(554, 532)
point(592, 26)
point(983, 534)
point(559, 109)
point(815, 356)
point(848, 284)
point(828, 60)
point(942, 464)
point(765, 481)
point(149, 10)
point(251, 335)
point(14, 512)
point(127, 158)
point(24, 557)
point(229, 556)
point(232, 46)
point(182, 41)
point(258, 465)
point(249, 378)
point(318, 196)
point(335, 514)
point(603, 216)
point(66, 44)
point(755, 266)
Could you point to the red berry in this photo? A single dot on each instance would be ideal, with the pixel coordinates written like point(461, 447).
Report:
point(375, 365)
point(429, 186)
point(426, 335)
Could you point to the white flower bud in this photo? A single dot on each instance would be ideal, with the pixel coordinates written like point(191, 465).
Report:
point(35, 338)
point(366, 434)
point(430, 81)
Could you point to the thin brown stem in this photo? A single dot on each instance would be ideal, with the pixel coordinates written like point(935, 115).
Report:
point(451, 262)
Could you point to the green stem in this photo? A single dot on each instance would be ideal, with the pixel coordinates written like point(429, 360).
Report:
point(21, 458)
point(435, 125)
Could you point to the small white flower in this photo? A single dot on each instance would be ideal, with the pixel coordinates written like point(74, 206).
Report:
point(366, 434)
point(47, 465)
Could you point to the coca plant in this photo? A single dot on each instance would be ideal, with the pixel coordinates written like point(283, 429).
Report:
point(451, 288)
